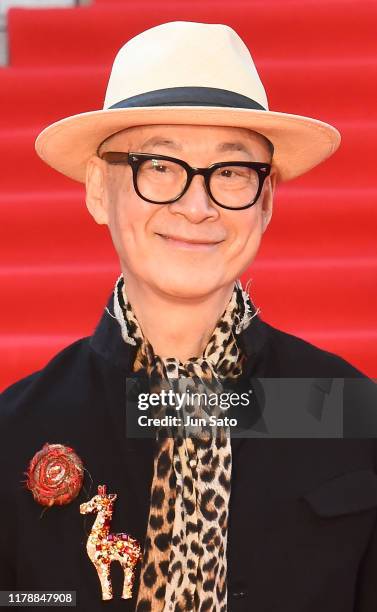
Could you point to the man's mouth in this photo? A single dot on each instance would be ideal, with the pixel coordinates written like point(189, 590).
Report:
point(189, 243)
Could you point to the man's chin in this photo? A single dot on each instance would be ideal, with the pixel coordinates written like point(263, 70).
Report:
point(186, 284)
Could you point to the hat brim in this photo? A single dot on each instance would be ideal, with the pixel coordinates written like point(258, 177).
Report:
point(300, 143)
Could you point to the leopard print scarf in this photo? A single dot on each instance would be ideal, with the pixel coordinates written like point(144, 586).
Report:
point(184, 562)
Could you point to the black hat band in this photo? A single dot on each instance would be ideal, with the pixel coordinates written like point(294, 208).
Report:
point(190, 96)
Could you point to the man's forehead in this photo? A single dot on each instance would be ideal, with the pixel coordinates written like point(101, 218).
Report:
point(176, 144)
point(224, 139)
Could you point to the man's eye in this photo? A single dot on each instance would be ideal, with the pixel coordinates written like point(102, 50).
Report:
point(228, 173)
point(159, 167)
point(235, 173)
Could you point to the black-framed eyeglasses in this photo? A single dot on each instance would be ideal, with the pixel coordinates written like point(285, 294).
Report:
point(161, 179)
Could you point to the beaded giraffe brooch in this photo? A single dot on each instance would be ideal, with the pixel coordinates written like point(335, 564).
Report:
point(104, 547)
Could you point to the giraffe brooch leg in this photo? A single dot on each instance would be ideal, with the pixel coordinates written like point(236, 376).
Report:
point(104, 547)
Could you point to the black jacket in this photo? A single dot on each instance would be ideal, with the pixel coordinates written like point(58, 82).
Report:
point(302, 534)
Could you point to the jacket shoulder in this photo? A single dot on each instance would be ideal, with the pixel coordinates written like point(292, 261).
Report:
point(60, 373)
point(295, 356)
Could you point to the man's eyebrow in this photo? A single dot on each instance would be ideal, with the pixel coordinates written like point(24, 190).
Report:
point(225, 147)
point(157, 141)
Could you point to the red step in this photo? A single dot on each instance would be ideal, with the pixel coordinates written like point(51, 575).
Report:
point(56, 92)
point(22, 355)
point(305, 223)
point(54, 228)
point(330, 223)
point(22, 169)
point(91, 35)
point(52, 93)
point(324, 293)
point(64, 299)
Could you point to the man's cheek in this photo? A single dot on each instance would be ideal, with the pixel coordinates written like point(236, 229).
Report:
point(119, 230)
point(238, 243)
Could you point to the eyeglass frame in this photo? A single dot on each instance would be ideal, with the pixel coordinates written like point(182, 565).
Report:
point(136, 159)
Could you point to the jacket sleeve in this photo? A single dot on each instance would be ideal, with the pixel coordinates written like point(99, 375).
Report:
point(8, 511)
point(8, 544)
point(360, 421)
point(366, 600)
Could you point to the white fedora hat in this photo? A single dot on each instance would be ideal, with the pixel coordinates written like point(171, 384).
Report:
point(187, 73)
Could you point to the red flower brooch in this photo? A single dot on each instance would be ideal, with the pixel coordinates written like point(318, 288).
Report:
point(55, 475)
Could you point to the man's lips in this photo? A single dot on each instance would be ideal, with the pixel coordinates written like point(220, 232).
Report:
point(189, 242)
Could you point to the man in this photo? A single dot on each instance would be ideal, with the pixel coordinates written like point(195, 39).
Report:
point(181, 165)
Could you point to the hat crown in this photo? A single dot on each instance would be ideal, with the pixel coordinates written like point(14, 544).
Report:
point(184, 54)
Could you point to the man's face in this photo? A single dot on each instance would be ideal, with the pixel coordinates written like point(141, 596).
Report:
point(150, 238)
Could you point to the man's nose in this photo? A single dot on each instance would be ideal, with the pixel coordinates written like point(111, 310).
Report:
point(196, 204)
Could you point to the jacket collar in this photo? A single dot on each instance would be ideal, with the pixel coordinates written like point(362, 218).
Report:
point(107, 341)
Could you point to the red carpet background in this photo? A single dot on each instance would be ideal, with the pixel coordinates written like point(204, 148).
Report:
point(315, 275)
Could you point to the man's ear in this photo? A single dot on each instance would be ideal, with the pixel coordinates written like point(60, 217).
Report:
point(268, 198)
point(96, 200)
